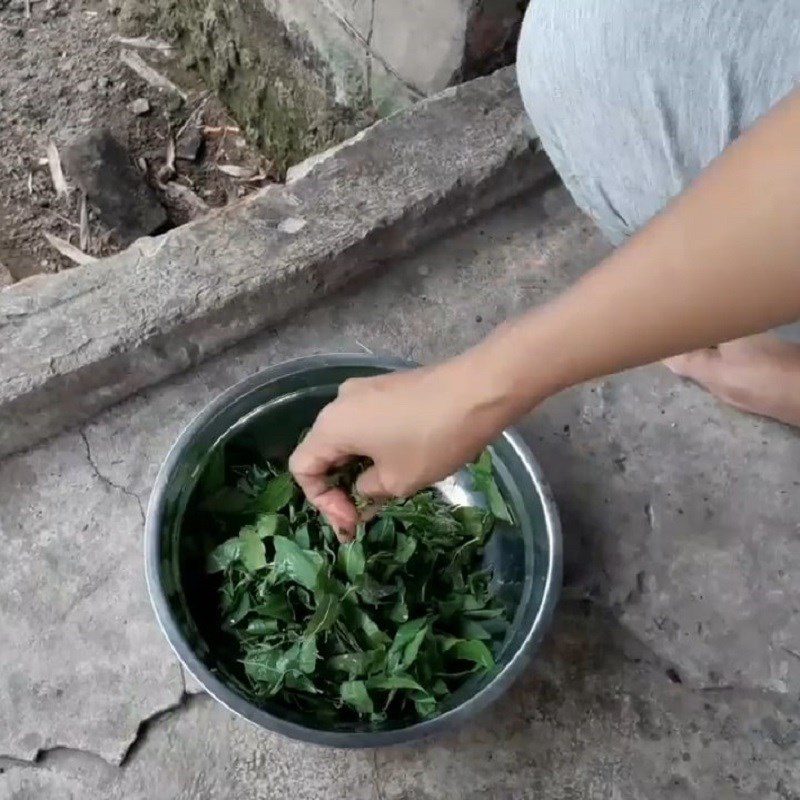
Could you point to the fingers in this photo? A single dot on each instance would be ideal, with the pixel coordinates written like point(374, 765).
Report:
point(337, 507)
point(369, 484)
point(350, 387)
point(310, 464)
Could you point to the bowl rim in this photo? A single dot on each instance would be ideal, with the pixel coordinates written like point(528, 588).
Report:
point(264, 719)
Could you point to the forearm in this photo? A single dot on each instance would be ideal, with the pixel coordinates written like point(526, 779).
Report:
point(720, 262)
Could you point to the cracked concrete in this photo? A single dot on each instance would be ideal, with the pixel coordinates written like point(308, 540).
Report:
point(82, 665)
point(108, 482)
point(671, 675)
point(597, 717)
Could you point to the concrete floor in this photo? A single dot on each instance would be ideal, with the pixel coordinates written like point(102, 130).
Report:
point(673, 667)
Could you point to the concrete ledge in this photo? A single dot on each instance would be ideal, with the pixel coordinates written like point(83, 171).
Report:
point(79, 341)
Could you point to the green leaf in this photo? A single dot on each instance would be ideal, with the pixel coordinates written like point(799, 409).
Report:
point(223, 556)
point(277, 494)
point(307, 658)
point(300, 682)
point(496, 627)
point(356, 664)
point(486, 613)
point(475, 522)
point(483, 466)
point(475, 651)
point(229, 501)
point(302, 537)
point(370, 591)
point(325, 616)
point(497, 504)
point(355, 694)
point(400, 680)
point(471, 629)
point(300, 657)
point(425, 705)
point(327, 583)
point(293, 601)
point(447, 642)
point(406, 644)
point(262, 627)
point(483, 479)
point(262, 666)
point(302, 597)
point(406, 545)
point(382, 533)
point(301, 566)
point(399, 612)
point(360, 620)
point(351, 560)
point(267, 525)
point(275, 605)
point(451, 606)
point(253, 555)
point(241, 610)
point(328, 534)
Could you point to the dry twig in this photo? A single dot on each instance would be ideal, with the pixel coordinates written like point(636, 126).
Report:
point(219, 130)
point(148, 74)
point(69, 250)
point(189, 138)
point(56, 173)
point(194, 117)
point(240, 173)
point(168, 171)
point(84, 236)
point(144, 43)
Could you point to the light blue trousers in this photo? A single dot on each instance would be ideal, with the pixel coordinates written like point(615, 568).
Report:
point(633, 98)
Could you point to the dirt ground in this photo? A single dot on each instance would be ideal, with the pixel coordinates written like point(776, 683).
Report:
point(60, 76)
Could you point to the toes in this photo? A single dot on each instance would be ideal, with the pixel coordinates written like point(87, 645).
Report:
point(676, 364)
point(696, 365)
point(714, 372)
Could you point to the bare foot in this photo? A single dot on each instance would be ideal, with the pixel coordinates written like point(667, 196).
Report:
point(759, 374)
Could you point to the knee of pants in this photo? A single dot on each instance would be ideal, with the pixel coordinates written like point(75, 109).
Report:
point(566, 70)
point(612, 89)
point(633, 99)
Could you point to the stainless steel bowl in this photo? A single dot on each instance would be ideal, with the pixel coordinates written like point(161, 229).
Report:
point(269, 411)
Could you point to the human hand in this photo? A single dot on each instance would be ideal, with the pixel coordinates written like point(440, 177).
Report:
point(417, 427)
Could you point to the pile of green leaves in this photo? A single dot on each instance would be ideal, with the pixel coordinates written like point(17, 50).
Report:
point(384, 627)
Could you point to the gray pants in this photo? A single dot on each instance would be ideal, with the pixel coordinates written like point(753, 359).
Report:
point(633, 98)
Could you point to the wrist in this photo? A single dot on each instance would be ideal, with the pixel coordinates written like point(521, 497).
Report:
point(501, 379)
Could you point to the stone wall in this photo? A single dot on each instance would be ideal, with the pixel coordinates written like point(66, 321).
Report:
point(405, 49)
point(301, 75)
point(278, 88)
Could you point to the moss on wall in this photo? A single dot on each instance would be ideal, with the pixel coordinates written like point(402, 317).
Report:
point(279, 97)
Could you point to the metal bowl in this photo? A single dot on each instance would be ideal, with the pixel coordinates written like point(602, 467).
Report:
point(269, 411)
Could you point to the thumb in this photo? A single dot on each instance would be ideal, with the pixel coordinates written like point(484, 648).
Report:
point(369, 484)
